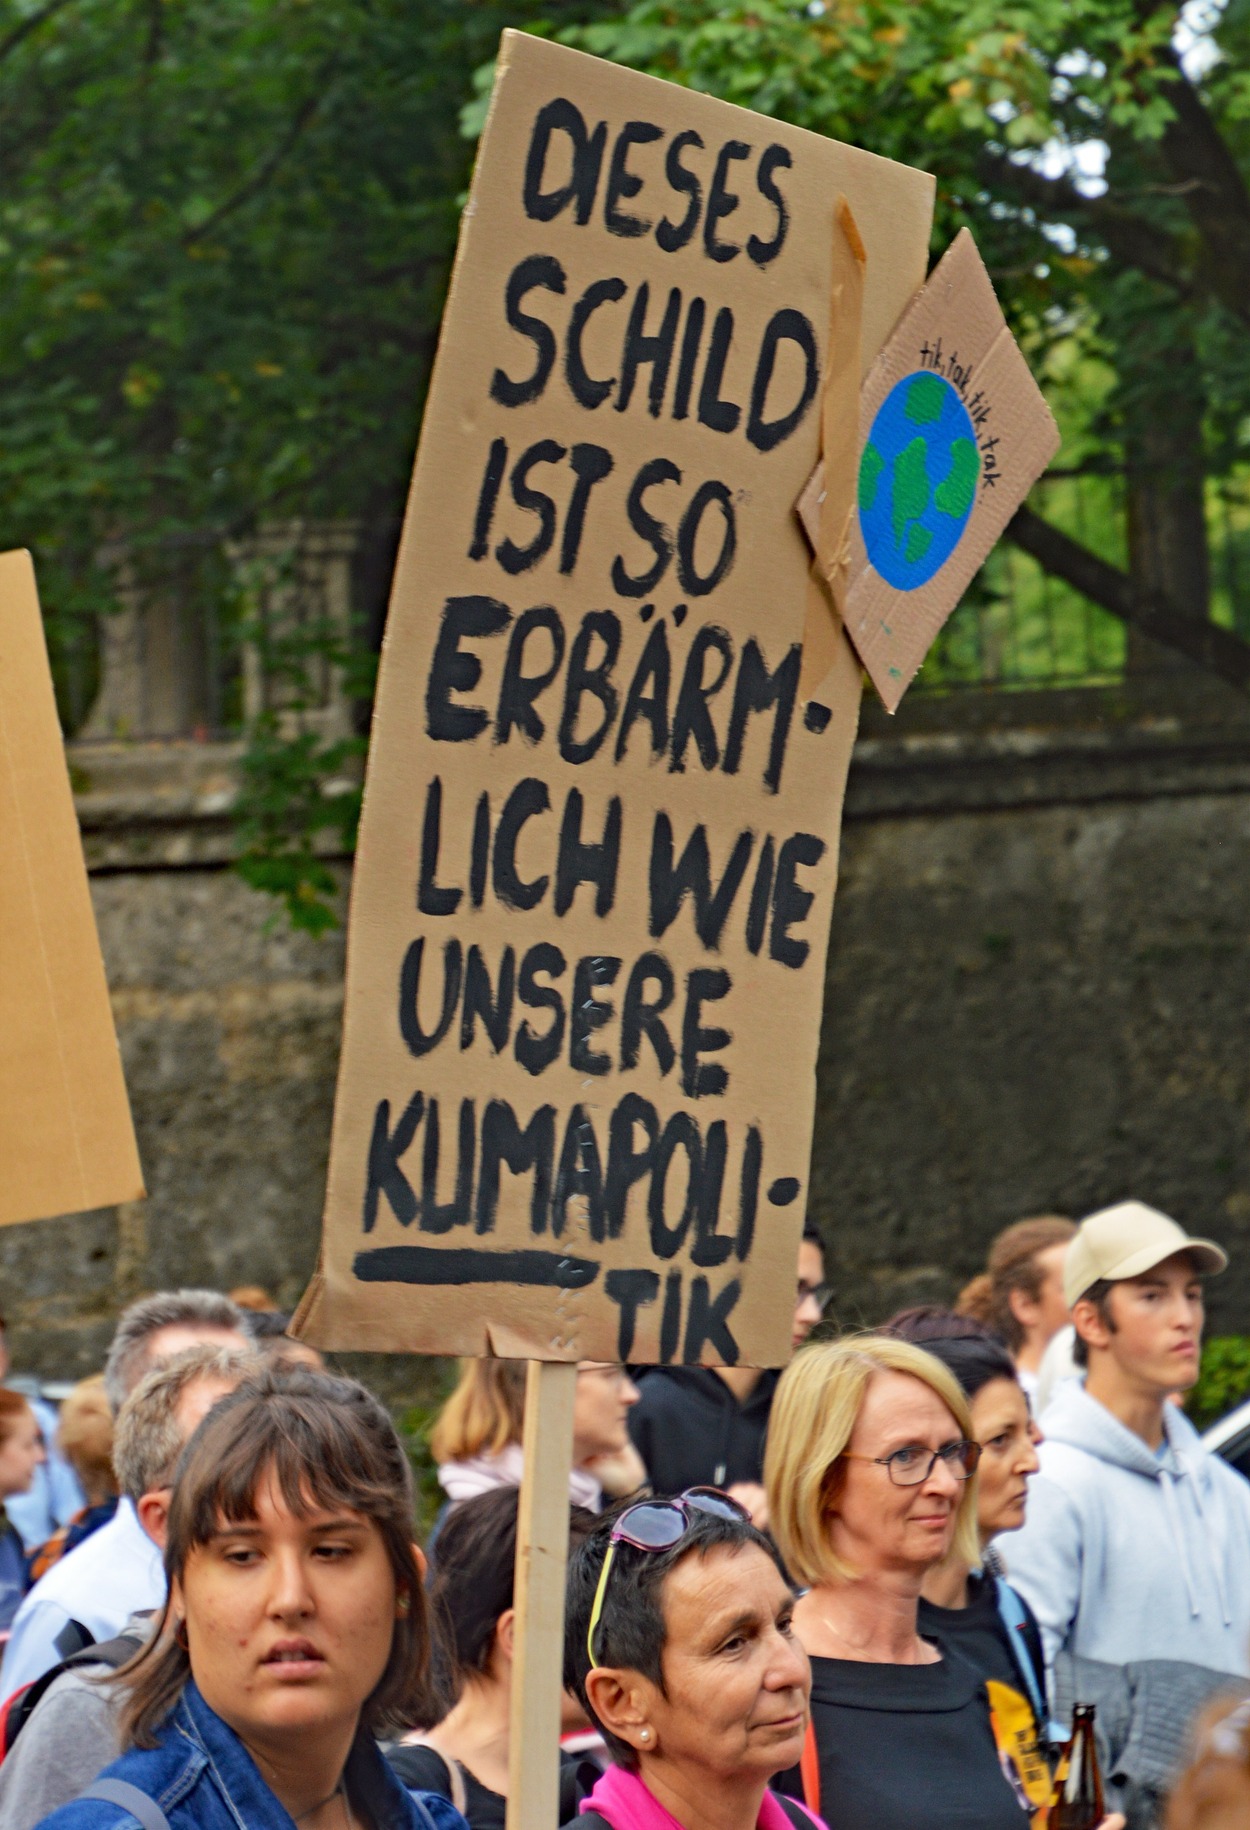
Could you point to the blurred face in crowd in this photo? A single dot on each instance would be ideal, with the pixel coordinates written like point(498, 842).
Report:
point(288, 1620)
point(1003, 1425)
point(807, 1309)
point(875, 1526)
point(1151, 1333)
point(20, 1454)
point(736, 1680)
point(604, 1395)
point(1046, 1313)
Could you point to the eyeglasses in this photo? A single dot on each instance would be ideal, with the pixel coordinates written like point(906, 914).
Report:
point(658, 1525)
point(912, 1466)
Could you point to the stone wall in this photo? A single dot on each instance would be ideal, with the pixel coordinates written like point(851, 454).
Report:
point(1037, 996)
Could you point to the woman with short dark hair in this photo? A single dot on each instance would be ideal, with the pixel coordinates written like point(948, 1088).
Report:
point(295, 1629)
point(679, 1641)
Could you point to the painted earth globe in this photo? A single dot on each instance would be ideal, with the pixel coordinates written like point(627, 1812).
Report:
point(917, 479)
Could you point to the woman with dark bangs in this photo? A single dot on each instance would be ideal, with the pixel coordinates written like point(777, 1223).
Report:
point(295, 1630)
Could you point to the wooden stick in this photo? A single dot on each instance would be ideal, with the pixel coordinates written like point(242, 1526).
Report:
point(542, 1546)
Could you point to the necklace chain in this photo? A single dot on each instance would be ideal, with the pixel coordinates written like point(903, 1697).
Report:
point(340, 1791)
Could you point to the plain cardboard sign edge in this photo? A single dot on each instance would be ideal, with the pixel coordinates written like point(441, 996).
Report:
point(67, 1141)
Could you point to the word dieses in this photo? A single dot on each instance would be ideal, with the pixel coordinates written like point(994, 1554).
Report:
point(565, 163)
point(672, 715)
point(776, 384)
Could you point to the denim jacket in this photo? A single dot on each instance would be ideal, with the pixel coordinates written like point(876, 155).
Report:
point(203, 1778)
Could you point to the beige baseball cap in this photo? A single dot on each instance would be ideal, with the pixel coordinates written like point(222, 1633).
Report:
point(1127, 1240)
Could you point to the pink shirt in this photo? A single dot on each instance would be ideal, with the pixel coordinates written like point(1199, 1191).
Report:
point(627, 1804)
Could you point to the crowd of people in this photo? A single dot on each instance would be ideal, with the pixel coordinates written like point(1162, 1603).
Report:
point(865, 1592)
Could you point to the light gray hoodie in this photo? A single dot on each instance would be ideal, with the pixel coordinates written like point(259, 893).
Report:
point(1127, 1555)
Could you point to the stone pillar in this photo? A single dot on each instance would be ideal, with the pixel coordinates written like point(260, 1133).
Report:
point(296, 577)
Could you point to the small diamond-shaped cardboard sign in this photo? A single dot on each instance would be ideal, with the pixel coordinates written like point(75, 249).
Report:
point(954, 432)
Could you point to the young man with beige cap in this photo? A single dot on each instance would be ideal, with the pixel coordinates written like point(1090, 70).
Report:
point(1137, 1543)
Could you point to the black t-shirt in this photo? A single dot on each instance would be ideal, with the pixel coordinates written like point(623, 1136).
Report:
point(423, 1769)
point(905, 1745)
point(981, 1634)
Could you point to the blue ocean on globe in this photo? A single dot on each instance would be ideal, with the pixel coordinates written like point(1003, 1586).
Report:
point(917, 479)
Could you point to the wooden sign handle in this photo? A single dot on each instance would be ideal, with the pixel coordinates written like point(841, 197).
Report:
point(542, 1546)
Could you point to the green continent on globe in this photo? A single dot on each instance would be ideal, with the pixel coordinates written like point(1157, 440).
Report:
point(954, 494)
point(911, 486)
point(917, 543)
point(870, 467)
point(925, 399)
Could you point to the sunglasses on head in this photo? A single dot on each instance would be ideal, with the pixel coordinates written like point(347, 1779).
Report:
point(659, 1525)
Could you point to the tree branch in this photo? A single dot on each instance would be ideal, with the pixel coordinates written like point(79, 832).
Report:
point(32, 24)
point(1218, 650)
point(1213, 190)
point(1130, 239)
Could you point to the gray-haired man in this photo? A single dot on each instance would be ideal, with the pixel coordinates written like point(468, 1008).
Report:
point(117, 1570)
point(71, 1734)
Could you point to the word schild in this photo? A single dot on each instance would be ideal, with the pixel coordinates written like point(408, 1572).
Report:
point(599, 846)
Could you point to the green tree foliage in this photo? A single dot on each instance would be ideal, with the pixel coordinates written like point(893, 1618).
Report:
point(1130, 289)
point(225, 233)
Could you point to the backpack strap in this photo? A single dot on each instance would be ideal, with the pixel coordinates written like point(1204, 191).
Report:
point(1012, 1613)
point(455, 1772)
point(131, 1799)
point(21, 1706)
point(73, 1637)
point(809, 1769)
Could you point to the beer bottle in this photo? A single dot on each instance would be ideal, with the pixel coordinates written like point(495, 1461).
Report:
point(1076, 1803)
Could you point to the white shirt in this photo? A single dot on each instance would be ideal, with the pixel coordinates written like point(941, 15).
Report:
point(111, 1575)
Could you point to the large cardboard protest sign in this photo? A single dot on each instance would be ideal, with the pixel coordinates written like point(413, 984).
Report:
point(66, 1140)
point(599, 845)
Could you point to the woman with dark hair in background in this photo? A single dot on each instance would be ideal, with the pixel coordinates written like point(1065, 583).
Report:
point(295, 1629)
point(465, 1755)
point(970, 1604)
point(1020, 1293)
point(679, 1641)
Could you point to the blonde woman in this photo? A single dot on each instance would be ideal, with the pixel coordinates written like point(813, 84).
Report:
point(476, 1439)
point(869, 1473)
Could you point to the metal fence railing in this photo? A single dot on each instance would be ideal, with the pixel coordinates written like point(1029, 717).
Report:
point(1019, 629)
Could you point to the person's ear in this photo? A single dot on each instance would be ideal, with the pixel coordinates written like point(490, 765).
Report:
point(1024, 1308)
point(620, 1704)
point(152, 1509)
point(505, 1634)
point(1090, 1324)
